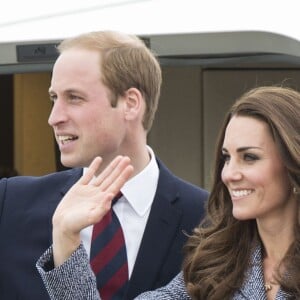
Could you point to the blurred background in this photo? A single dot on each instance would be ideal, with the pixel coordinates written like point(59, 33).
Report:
point(210, 52)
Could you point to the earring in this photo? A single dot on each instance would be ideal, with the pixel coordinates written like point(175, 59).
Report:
point(295, 191)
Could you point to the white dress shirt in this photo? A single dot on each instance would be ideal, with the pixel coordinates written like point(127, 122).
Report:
point(133, 209)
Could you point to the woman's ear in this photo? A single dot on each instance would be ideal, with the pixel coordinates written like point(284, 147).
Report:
point(134, 103)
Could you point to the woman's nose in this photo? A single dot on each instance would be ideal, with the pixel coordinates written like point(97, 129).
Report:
point(231, 172)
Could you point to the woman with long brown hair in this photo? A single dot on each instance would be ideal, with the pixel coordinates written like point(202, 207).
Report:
point(248, 247)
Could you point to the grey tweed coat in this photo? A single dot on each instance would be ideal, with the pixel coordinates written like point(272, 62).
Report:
point(74, 280)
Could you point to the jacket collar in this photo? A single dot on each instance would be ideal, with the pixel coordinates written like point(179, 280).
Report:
point(253, 287)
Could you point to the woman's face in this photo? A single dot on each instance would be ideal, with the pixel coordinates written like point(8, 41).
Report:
point(253, 171)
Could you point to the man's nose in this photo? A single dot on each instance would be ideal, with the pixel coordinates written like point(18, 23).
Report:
point(58, 113)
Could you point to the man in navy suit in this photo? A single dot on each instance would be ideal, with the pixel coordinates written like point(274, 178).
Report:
point(105, 88)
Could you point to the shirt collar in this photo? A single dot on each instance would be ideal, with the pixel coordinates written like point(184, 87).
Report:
point(140, 189)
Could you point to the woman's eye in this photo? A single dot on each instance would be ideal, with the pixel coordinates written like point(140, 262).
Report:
point(250, 157)
point(225, 157)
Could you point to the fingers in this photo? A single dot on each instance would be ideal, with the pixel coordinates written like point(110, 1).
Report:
point(112, 178)
point(115, 185)
point(108, 170)
point(91, 171)
point(115, 175)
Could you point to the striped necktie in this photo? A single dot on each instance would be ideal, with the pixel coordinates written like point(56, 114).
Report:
point(108, 256)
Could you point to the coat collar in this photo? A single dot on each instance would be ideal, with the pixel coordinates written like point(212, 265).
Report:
point(253, 287)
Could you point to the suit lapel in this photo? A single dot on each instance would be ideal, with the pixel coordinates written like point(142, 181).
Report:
point(68, 179)
point(72, 176)
point(162, 226)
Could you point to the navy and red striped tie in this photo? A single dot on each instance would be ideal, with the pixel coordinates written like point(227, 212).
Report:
point(109, 258)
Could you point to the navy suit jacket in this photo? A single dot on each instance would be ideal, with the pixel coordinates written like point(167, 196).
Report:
point(26, 208)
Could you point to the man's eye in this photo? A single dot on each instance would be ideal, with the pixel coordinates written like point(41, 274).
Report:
point(75, 98)
point(52, 98)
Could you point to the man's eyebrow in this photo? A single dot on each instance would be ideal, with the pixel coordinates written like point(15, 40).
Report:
point(69, 91)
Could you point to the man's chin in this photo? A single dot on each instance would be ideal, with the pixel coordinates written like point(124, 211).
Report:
point(69, 163)
point(72, 163)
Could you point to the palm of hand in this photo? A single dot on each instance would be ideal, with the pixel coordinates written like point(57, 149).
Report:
point(90, 198)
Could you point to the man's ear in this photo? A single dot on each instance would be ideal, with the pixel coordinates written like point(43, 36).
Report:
point(134, 103)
